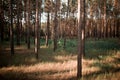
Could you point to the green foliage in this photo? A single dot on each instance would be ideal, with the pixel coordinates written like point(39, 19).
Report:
point(101, 47)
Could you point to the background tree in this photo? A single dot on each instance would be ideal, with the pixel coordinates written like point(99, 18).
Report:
point(37, 29)
point(56, 24)
point(48, 7)
point(11, 28)
point(18, 22)
point(28, 23)
point(67, 14)
point(2, 20)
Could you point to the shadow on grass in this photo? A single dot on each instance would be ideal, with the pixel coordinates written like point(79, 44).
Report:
point(23, 56)
point(104, 72)
point(94, 50)
point(108, 71)
point(38, 75)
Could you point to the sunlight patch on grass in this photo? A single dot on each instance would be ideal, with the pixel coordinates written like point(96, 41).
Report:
point(52, 69)
point(16, 48)
point(44, 46)
point(65, 58)
point(87, 69)
point(42, 68)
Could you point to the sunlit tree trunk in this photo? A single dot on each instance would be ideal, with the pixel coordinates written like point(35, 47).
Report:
point(81, 27)
point(11, 28)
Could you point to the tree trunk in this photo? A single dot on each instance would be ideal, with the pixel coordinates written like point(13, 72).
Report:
point(18, 23)
point(37, 35)
point(110, 27)
point(25, 18)
point(11, 28)
point(119, 29)
point(113, 27)
point(81, 17)
point(83, 28)
point(2, 21)
point(28, 23)
point(55, 27)
point(118, 32)
point(105, 20)
point(48, 31)
point(64, 45)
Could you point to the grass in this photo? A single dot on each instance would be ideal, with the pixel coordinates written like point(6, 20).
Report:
point(101, 61)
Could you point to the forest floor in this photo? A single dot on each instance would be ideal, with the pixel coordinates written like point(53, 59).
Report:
point(101, 61)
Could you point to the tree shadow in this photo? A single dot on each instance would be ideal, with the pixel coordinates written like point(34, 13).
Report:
point(103, 71)
point(38, 75)
point(105, 68)
point(23, 56)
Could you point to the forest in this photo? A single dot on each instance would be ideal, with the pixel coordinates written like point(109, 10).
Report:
point(59, 39)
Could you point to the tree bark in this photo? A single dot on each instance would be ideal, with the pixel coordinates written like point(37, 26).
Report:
point(55, 27)
point(11, 28)
point(37, 35)
point(64, 45)
point(83, 28)
point(28, 23)
point(2, 21)
point(81, 17)
point(18, 23)
point(105, 20)
point(48, 29)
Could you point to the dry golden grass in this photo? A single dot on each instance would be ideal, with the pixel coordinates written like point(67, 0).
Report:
point(56, 65)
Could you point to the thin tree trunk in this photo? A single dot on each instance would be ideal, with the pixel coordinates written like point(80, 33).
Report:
point(21, 25)
point(28, 23)
point(11, 28)
point(64, 45)
point(105, 20)
point(37, 42)
point(2, 21)
point(48, 31)
point(118, 28)
point(18, 23)
point(110, 28)
point(55, 27)
point(113, 27)
point(83, 28)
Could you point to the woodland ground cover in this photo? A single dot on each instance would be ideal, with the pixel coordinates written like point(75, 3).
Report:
point(101, 61)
